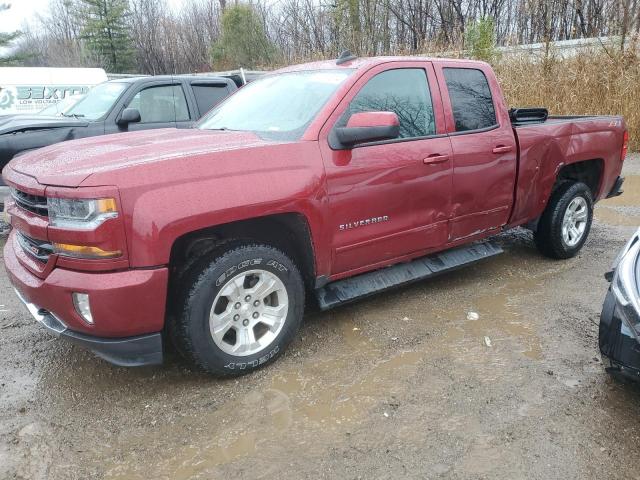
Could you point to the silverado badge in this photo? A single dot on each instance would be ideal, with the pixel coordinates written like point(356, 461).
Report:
point(363, 223)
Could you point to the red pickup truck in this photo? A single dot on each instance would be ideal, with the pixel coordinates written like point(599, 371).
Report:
point(332, 180)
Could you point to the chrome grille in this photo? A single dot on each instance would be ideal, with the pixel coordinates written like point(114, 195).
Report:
point(38, 249)
point(32, 203)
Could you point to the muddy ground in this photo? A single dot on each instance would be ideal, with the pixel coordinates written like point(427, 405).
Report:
point(399, 386)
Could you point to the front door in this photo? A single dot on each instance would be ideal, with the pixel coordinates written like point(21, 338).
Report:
point(389, 199)
point(160, 106)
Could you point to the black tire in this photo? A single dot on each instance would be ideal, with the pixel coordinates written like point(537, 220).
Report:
point(548, 236)
point(200, 286)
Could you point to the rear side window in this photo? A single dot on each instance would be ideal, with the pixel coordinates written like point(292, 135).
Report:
point(404, 91)
point(207, 96)
point(471, 99)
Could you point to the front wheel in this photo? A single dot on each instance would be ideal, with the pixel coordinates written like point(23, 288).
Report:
point(566, 221)
point(239, 310)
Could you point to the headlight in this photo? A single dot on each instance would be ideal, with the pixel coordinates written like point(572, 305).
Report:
point(80, 214)
point(625, 288)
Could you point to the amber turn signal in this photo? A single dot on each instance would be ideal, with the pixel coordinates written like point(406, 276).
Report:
point(83, 251)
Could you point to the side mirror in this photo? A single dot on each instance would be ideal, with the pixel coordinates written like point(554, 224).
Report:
point(129, 115)
point(369, 127)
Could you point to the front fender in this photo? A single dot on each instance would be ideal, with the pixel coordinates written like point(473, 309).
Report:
point(216, 191)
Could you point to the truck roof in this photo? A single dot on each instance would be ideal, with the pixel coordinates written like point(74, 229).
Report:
point(368, 62)
point(152, 78)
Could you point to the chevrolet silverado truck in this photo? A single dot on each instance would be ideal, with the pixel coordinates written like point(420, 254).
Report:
point(327, 181)
point(128, 104)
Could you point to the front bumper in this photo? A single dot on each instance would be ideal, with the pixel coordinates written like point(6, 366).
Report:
point(125, 352)
point(128, 307)
point(617, 342)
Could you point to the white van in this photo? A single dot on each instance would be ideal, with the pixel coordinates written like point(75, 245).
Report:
point(29, 90)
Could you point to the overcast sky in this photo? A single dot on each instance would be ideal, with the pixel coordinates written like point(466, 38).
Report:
point(22, 11)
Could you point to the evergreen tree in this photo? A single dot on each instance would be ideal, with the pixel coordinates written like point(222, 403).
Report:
point(105, 30)
point(5, 42)
point(480, 39)
point(243, 41)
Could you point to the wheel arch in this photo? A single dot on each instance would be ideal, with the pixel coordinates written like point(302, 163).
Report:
point(590, 172)
point(289, 232)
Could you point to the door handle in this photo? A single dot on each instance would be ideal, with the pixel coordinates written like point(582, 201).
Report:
point(435, 158)
point(502, 149)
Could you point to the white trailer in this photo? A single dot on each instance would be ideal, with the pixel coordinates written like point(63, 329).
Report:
point(31, 89)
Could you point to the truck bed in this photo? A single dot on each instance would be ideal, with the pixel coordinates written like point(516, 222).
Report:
point(545, 147)
point(566, 118)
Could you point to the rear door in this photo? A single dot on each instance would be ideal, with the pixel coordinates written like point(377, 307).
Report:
point(484, 148)
point(391, 198)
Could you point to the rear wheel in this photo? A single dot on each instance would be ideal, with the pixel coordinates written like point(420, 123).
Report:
point(566, 221)
point(239, 309)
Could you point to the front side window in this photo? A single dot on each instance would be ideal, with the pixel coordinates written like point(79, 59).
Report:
point(278, 107)
point(405, 92)
point(471, 99)
point(98, 101)
point(162, 104)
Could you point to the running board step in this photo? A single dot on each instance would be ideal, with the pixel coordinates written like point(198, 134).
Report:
point(350, 289)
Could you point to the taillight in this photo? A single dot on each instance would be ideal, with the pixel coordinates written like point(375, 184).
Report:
point(625, 145)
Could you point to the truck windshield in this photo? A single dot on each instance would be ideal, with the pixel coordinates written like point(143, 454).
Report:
point(97, 102)
point(61, 107)
point(276, 107)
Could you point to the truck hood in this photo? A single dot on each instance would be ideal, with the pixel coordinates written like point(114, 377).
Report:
point(68, 164)
point(18, 123)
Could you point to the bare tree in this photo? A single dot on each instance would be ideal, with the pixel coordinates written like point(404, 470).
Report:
point(167, 41)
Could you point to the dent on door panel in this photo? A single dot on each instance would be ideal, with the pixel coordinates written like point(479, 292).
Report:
point(483, 182)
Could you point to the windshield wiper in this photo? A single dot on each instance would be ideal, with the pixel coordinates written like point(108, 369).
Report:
point(74, 115)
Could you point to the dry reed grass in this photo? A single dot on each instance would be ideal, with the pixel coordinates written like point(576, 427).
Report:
point(591, 83)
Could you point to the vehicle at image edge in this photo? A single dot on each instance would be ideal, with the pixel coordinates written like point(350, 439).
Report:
point(304, 183)
point(122, 105)
point(619, 337)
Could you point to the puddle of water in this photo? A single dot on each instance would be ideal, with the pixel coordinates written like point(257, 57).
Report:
point(303, 400)
point(631, 195)
point(499, 318)
point(354, 335)
point(215, 439)
point(498, 312)
point(482, 458)
point(610, 216)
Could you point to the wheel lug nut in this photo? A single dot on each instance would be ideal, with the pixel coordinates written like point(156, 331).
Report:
point(245, 322)
point(256, 303)
point(256, 314)
point(237, 305)
point(236, 317)
point(247, 298)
